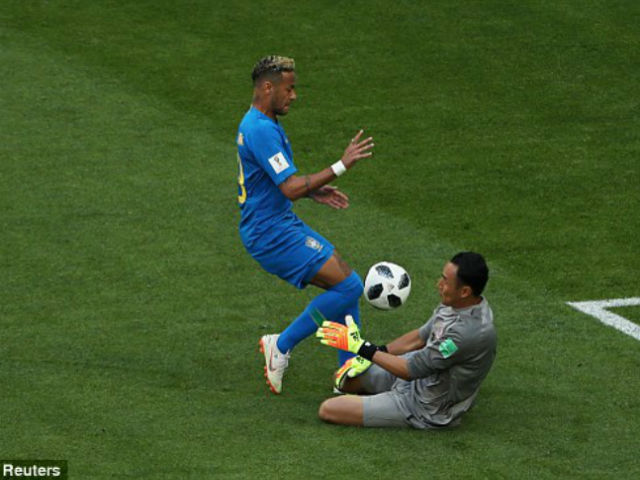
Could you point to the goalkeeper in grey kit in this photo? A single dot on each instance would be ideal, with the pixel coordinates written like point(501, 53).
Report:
point(427, 378)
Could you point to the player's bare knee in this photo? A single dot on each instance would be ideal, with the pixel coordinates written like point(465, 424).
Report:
point(342, 265)
point(325, 412)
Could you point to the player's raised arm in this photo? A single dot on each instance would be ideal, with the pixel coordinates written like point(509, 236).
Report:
point(296, 187)
point(356, 150)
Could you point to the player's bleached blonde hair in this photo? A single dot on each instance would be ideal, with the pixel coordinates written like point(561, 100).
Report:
point(272, 66)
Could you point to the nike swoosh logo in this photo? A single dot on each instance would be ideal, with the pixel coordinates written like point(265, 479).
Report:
point(270, 359)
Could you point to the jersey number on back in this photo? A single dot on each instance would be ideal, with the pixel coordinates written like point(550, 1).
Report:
point(242, 191)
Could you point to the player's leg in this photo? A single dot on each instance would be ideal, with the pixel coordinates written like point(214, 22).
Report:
point(352, 385)
point(337, 276)
point(374, 380)
point(343, 290)
point(302, 256)
point(334, 271)
point(339, 300)
point(343, 410)
point(379, 410)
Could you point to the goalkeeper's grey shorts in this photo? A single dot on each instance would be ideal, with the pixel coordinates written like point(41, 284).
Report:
point(382, 409)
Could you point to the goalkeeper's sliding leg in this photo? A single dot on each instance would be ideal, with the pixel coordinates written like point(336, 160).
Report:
point(343, 410)
point(373, 405)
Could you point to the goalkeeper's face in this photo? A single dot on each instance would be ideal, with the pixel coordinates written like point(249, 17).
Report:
point(452, 292)
point(284, 93)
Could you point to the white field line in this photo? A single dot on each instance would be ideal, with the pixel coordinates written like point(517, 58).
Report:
point(599, 310)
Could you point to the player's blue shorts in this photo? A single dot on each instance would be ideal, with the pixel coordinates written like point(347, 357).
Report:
point(294, 253)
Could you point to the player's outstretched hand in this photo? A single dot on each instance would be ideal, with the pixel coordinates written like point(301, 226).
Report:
point(357, 149)
point(345, 337)
point(331, 196)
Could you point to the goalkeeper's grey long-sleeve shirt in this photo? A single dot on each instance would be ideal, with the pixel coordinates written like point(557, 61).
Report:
point(447, 372)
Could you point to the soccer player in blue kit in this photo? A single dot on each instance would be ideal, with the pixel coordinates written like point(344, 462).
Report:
point(274, 236)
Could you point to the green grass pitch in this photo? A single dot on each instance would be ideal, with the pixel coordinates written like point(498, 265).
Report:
point(130, 312)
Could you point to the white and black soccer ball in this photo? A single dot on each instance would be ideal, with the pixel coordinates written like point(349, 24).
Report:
point(387, 286)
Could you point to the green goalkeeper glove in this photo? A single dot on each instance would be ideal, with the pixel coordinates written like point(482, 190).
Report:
point(345, 337)
point(352, 368)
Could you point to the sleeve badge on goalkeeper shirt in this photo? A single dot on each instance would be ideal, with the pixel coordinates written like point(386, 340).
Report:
point(447, 348)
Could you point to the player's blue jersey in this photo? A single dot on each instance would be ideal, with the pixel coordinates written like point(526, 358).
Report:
point(265, 160)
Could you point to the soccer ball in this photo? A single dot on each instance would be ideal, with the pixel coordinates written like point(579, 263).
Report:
point(387, 286)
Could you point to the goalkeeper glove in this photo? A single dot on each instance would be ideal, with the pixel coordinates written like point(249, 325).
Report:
point(351, 368)
point(345, 337)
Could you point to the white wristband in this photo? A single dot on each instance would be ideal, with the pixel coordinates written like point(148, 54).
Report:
point(338, 168)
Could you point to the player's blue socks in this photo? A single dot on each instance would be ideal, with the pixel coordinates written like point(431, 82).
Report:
point(334, 304)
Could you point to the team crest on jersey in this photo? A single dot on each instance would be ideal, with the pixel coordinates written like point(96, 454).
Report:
point(313, 243)
point(240, 139)
point(278, 162)
point(438, 330)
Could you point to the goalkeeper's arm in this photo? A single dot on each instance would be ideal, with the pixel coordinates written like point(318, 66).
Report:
point(347, 337)
point(387, 357)
point(398, 366)
point(406, 343)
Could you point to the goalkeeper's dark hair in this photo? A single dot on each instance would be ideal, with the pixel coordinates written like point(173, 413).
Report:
point(472, 271)
point(271, 68)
